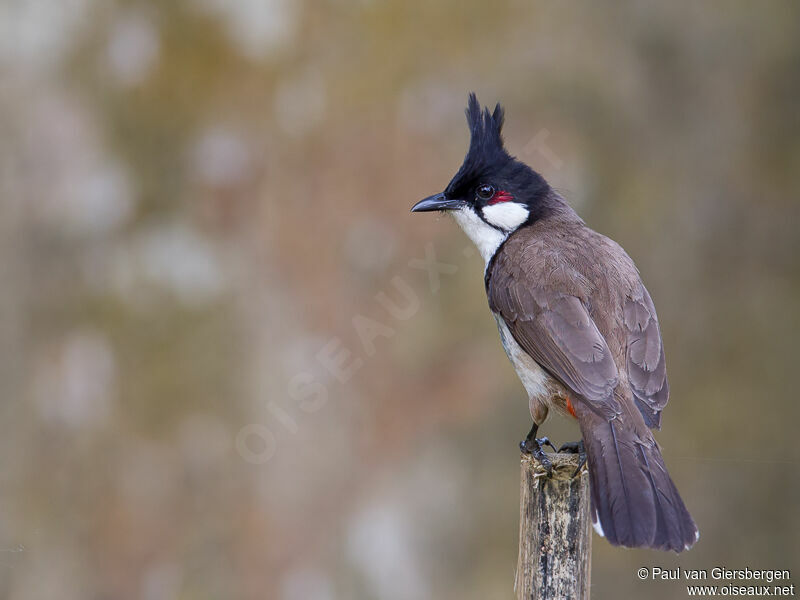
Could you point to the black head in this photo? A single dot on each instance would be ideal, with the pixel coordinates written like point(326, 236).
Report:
point(500, 190)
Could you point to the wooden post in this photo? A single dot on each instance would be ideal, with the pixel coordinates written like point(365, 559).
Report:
point(555, 538)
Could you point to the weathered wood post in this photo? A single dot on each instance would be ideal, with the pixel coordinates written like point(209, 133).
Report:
point(555, 538)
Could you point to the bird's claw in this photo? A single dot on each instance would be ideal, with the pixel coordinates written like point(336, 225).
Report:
point(545, 441)
point(575, 448)
point(533, 447)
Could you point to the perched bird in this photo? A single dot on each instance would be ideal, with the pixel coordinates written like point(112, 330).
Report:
point(580, 329)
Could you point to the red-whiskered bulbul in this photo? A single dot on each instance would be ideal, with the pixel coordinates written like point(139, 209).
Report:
point(580, 329)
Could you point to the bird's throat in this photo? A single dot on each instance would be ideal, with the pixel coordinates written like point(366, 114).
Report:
point(485, 237)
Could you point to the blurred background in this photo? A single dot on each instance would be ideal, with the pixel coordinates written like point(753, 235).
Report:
point(233, 364)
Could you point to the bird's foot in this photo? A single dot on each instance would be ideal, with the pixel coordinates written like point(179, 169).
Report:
point(575, 448)
point(533, 446)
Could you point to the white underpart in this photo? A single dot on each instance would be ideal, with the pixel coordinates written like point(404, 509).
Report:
point(506, 215)
point(484, 236)
point(533, 377)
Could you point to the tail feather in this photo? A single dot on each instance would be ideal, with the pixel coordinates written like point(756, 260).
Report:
point(633, 496)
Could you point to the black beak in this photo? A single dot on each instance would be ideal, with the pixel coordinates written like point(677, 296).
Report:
point(437, 202)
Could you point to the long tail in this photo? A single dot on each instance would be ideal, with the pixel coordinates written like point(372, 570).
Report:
point(634, 501)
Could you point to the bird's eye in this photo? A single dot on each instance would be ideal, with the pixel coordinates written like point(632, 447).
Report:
point(485, 191)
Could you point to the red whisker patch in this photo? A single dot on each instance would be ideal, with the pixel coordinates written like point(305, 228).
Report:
point(500, 196)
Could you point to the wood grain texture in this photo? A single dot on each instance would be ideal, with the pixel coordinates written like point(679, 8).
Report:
point(555, 538)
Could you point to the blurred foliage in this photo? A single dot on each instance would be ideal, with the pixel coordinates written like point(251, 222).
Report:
point(198, 199)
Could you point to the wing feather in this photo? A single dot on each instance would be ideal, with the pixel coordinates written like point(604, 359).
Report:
point(646, 364)
point(555, 328)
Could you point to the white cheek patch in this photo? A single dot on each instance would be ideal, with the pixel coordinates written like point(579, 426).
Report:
point(485, 237)
point(506, 215)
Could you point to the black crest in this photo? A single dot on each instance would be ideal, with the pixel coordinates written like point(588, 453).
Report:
point(486, 143)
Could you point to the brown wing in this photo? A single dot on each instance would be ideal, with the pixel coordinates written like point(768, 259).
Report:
point(647, 367)
point(545, 301)
point(556, 330)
